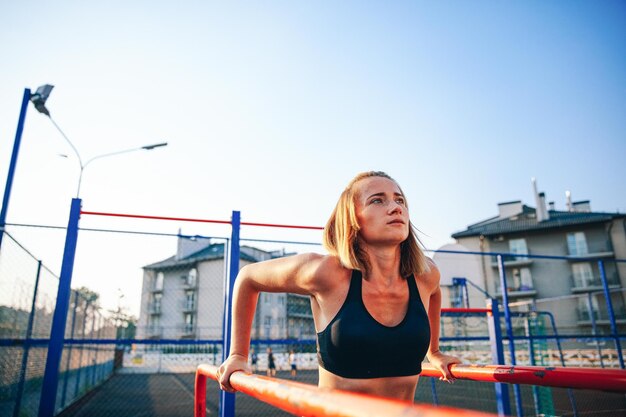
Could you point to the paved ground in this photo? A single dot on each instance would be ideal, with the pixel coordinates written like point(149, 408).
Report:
point(171, 395)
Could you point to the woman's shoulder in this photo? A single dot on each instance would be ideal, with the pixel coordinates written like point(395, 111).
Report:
point(430, 277)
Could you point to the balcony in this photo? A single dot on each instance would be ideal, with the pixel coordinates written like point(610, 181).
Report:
point(188, 306)
point(593, 250)
point(518, 292)
point(601, 317)
point(155, 309)
point(188, 330)
point(511, 261)
point(300, 311)
point(156, 289)
point(581, 284)
point(154, 331)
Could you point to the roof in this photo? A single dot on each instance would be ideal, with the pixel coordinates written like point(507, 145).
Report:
point(208, 253)
point(527, 221)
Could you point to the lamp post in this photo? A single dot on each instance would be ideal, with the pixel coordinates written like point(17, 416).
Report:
point(39, 101)
point(47, 404)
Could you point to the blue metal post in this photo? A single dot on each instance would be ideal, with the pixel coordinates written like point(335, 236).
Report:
point(594, 327)
point(509, 330)
point(29, 333)
point(433, 390)
point(227, 400)
point(531, 354)
point(57, 334)
point(13, 163)
point(609, 306)
point(497, 356)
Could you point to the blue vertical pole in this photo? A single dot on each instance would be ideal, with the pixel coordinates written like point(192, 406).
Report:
point(509, 330)
point(609, 306)
point(497, 356)
point(29, 333)
point(594, 328)
point(13, 163)
point(227, 399)
point(57, 334)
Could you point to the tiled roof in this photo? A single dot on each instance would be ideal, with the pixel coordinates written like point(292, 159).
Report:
point(527, 221)
point(210, 252)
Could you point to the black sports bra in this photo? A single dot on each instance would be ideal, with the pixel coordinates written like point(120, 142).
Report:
point(355, 345)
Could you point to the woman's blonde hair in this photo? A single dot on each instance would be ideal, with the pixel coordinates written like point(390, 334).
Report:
point(341, 235)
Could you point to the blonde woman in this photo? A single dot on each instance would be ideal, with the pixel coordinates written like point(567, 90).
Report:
point(375, 297)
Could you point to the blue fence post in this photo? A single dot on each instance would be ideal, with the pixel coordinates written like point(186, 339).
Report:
point(227, 399)
point(609, 306)
point(59, 319)
point(13, 163)
point(594, 328)
point(497, 356)
point(27, 340)
point(509, 330)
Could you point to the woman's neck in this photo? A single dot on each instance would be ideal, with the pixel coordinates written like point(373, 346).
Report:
point(384, 264)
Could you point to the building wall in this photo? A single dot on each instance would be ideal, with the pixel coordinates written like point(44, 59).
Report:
point(553, 279)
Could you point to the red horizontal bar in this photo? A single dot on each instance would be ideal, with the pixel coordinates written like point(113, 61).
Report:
point(581, 378)
point(140, 216)
point(466, 310)
point(185, 219)
point(309, 401)
point(282, 225)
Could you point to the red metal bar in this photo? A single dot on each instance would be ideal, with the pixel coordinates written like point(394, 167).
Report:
point(309, 401)
point(580, 378)
point(288, 226)
point(139, 216)
point(466, 310)
point(186, 219)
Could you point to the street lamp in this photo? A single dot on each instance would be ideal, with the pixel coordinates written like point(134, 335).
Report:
point(39, 101)
point(57, 331)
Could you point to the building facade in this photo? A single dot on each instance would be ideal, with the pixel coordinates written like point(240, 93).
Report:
point(183, 297)
point(570, 288)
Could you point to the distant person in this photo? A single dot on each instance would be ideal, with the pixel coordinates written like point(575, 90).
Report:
point(293, 363)
point(254, 358)
point(375, 297)
point(271, 364)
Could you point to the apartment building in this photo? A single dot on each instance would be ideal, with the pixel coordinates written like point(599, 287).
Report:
point(572, 286)
point(183, 297)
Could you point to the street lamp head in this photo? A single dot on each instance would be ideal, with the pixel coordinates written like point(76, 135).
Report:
point(40, 97)
point(156, 145)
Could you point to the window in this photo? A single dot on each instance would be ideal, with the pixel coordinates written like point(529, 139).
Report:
point(156, 303)
point(584, 307)
point(583, 275)
point(158, 281)
point(577, 244)
point(190, 300)
point(191, 277)
point(189, 322)
point(521, 280)
point(518, 246)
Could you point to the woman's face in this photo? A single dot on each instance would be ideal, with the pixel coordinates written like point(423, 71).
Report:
point(381, 211)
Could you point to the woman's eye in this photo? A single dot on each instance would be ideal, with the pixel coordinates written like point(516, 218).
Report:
point(400, 201)
point(376, 201)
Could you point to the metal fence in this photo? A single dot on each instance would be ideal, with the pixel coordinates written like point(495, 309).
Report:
point(181, 282)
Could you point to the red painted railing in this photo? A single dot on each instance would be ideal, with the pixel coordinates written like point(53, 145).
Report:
point(580, 378)
point(309, 401)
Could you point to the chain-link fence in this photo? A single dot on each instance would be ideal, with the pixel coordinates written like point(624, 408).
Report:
point(169, 318)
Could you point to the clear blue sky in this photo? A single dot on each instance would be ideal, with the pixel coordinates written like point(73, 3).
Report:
point(271, 107)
